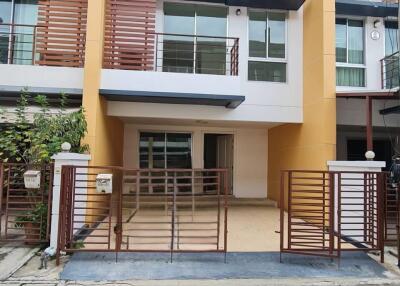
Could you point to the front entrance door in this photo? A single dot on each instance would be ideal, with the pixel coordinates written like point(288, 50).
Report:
point(218, 154)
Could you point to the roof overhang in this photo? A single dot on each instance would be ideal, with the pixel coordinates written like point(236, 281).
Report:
point(268, 4)
point(365, 8)
point(378, 94)
point(228, 101)
point(9, 95)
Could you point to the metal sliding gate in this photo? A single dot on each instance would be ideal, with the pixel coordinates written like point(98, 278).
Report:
point(149, 210)
point(330, 212)
point(25, 213)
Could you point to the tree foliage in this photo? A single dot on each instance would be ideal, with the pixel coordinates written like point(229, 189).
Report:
point(35, 140)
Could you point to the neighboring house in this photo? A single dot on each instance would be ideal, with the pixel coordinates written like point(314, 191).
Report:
point(244, 85)
point(367, 78)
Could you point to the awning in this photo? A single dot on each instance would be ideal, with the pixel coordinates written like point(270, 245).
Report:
point(365, 8)
point(228, 101)
point(390, 110)
point(268, 4)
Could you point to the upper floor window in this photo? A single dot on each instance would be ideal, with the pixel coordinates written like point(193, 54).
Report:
point(267, 46)
point(391, 38)
point(201, 46)
point(350, 62)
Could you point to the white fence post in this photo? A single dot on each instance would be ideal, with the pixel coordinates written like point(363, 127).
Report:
point(60, 159)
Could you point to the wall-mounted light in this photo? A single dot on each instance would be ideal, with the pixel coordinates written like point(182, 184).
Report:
point(238, 12)
point(377, 23)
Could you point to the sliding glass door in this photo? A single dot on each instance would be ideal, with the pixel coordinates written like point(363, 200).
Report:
point(200, 44)
point(159, 151)
point(17, 21)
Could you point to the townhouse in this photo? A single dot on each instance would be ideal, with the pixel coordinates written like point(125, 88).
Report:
point(243, 85)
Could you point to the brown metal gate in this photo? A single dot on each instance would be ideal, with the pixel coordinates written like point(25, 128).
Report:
point(392, 216)
point(25, 213)
point(163, 210)
point(330, 212)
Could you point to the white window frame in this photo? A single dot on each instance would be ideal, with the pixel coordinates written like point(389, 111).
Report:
point(268, 59)
point(350, 65)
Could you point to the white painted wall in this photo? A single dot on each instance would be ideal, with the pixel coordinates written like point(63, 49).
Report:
point(265, 101)
point(70, 159)
point(41, 76)
point(250, 154)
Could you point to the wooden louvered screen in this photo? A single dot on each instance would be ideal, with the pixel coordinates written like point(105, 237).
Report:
point(129, 34)
point(61, 33)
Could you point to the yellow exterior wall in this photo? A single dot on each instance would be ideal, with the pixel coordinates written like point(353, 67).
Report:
point(309, 145)
point(105, 134)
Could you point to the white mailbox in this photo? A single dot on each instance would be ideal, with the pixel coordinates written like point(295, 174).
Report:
point(104, 183)
point(32, 179)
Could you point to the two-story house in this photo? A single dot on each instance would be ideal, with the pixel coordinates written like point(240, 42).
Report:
point(236, 84)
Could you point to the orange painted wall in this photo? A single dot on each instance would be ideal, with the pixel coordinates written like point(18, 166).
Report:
point(105, 134)
point(310, 144)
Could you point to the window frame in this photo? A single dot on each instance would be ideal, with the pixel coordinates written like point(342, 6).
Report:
point(267, 58)
point(385, 34)
point(351, 65)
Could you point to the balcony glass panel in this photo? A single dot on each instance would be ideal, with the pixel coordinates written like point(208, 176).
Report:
point(5, 18)
point(341, 40)
point(257, 34)
point(276, 35)
point(178, 53)
point(185, 52)
point(356, 42)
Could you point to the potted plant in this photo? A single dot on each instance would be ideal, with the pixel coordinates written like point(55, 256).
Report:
point(34, 222)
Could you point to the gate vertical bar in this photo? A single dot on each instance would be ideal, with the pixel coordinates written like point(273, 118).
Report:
point(331, 208)
point(7, 198)
point(289, 210)
point(219, 206)
point(226, 212)
point(1, 193)
point(282, 214)
point(339, 214)
point(381, 213)
point(173, 215)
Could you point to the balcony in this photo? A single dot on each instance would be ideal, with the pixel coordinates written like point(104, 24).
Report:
point(172, 69)
point(175, 53)
point(390, 71)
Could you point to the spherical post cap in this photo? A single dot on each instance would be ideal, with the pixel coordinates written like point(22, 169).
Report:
point(65, 147)
point(370, 155)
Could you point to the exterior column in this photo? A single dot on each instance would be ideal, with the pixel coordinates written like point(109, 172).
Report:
point(61, 159)
point(105, 134)
point(370, 142)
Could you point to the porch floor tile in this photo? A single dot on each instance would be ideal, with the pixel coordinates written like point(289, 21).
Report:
point(240, 265)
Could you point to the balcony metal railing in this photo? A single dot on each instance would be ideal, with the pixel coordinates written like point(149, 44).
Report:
point(17, 44)
point(172, 53)
point(196, 54)
point(390, 71)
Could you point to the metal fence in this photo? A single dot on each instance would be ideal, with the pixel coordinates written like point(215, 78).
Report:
point(196, 54)
point(331, 212)
point(163, 210)
point(25, 212)
point(390, 71)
